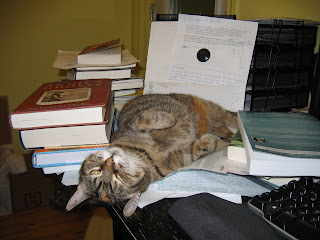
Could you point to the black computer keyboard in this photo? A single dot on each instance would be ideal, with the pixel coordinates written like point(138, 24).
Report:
point(293, 209)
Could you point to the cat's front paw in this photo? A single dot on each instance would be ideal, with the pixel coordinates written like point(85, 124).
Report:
point(203, 146)
point(228, 136)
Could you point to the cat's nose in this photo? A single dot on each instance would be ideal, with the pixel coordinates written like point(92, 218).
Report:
point(109, 164)
point(110, 160)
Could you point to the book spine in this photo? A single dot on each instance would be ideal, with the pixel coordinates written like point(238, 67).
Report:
point(56, 164)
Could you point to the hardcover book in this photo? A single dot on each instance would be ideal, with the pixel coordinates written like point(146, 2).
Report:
point(49, 158)
point(101, 46)
point(67, 136)
point(96, 68)
point(74, 74)
point(125, 84)
point(61, 169)
point(281, 143)
point(102, 53)
point(63, 103)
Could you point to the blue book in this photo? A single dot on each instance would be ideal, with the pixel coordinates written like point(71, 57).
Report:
point(281, 144)
point(49, 158)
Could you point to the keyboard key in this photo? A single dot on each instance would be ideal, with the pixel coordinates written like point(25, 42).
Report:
point(272, 210)
point(283, 219)
point(260, 202)
point(303, 230)
point(289, 205)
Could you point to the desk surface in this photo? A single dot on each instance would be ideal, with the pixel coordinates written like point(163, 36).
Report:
point(151, 222)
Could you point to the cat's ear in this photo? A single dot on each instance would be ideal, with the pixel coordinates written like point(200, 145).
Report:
point(131, 206)
point(78, 197)
point(152, 119)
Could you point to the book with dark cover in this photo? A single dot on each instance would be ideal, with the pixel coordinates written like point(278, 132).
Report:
point(281, 143)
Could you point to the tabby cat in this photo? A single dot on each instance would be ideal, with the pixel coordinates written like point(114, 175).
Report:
point(157, 134)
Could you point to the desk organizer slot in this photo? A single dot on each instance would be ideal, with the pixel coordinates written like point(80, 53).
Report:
point(282, 66)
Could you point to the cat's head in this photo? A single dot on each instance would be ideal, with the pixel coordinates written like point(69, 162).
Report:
point(112, 175)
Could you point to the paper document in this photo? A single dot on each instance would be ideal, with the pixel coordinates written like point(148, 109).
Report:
point(185, 183)
point(216, 93)
point(211, 174)
point(219, 162)
point(70, 178)
point(206, 181)
point(173, 48)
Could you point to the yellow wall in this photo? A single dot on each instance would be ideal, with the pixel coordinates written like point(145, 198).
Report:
point(33, 31)
point(302, 9)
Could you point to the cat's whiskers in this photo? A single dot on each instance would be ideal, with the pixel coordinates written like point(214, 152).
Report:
point(111, 187)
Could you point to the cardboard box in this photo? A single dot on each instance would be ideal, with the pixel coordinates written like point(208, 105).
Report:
point(31, 189)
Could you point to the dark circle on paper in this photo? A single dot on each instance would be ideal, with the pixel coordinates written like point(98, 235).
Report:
point(203, 55)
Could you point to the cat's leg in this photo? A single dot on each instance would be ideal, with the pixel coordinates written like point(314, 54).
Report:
point(231, 120)
point(223, 132)
point(151, 119)
point(207, 144)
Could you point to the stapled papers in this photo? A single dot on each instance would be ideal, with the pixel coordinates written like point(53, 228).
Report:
point(173, 64)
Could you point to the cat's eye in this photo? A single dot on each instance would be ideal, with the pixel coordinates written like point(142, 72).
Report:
point(95, 172)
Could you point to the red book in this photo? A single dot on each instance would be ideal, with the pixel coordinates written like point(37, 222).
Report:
point(101, 46)
point(103, 53)
point(64, 103)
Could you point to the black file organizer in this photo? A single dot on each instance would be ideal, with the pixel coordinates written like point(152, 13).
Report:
point(282, 66)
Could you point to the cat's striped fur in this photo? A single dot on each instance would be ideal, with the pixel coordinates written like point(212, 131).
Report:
point(158, 133)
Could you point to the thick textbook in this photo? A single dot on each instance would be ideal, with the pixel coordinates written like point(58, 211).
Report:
point(281, 143)
point(49, 158)
point(74, 74)
point(61, 169)
point(69, 136)
point(63, 103)
point(102, 53)
point(125, 84)
point(96, 68)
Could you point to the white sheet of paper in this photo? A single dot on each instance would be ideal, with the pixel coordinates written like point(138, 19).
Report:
point(153, 195)
point(161, 42)
point(70, 178)
point(173, 47)
point(214, 93)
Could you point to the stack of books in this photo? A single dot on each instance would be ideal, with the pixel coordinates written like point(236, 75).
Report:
point(103, 61)
point(65, 121)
